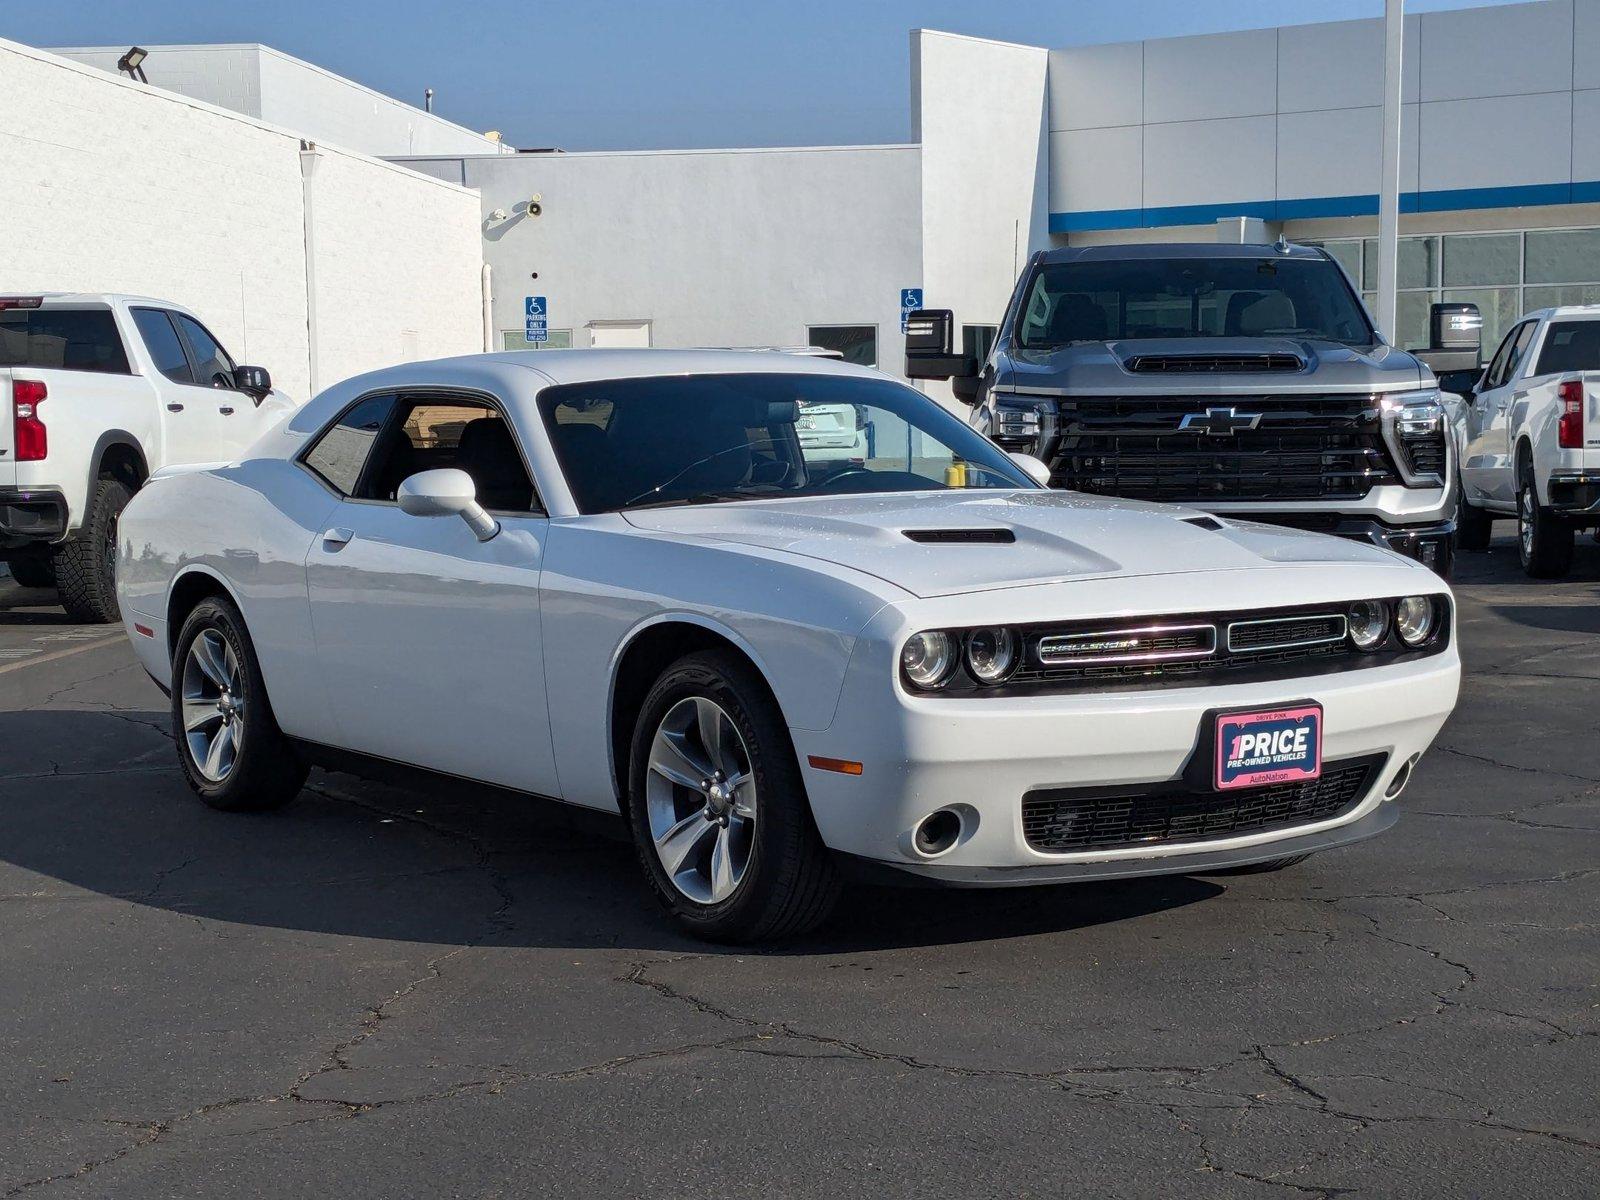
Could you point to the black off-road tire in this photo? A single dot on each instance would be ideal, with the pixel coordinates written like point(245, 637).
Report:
point(1474, 527)
point(86, 566)
point(791, 883)
point(1544, 537)
point(268, 771)
point(33, 572)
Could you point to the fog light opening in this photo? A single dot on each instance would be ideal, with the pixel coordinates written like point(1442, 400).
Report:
point(937, 832)
point(1401, 778)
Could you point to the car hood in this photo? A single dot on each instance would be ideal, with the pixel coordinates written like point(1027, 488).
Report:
point(1055, 537)
point(1093, 367)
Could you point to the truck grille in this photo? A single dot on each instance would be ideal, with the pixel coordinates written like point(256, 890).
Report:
point(1317, 447)
point(1063, 820)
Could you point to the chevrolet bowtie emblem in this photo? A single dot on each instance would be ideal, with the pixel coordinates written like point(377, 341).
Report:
point(1219, 421)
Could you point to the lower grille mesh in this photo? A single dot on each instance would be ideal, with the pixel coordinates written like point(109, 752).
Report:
point(1061, 821)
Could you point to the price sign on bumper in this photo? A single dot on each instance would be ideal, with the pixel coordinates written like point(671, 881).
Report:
point(1267, 746)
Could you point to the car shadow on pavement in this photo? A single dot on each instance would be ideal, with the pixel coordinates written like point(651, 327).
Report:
point(31, 606)
point(92, 801)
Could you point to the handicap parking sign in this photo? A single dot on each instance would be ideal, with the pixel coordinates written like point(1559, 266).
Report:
point(910, 301)
point(534, 307)
point(536, 313)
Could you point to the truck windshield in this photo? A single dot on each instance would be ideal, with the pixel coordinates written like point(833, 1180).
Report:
point(1068, 303)
point(700, 439)
point(1570, 346)
point(70, 339)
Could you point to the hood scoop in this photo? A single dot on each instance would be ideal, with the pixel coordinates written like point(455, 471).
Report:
point(990, 537)
point(1202, 522)
point(1210, 364)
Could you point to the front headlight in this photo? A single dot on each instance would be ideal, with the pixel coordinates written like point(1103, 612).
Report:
point(1416, 414)
point(991, 653)
point(1022, 424)
point(1414, 619)
point(928, 658)
point(1368, 622)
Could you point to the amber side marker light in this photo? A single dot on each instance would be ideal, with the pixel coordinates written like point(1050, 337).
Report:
point(842, 765)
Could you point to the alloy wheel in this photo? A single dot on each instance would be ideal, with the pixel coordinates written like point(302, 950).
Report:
point(700, 799)
point(1525, 518)
point(213, 705)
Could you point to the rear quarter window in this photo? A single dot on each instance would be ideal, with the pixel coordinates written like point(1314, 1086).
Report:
point(62, 339)
point(1570, 346)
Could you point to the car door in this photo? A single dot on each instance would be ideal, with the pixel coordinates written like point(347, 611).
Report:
point(1487, 468)
point(191, 425)
point(213, 367)
point(428, 640)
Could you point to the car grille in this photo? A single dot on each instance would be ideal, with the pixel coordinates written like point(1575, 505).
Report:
point(1286, 631)
point(1064, 821)
point(1316, 447)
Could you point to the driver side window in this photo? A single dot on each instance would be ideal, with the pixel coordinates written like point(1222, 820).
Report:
point(1497, 367)
point(432, 433)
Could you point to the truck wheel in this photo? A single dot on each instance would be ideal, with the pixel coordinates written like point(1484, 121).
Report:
point(232, 752)
point(33, 572)
point(1544, 539)
point(1474, 527)
point(86, 567)
point(718, 808)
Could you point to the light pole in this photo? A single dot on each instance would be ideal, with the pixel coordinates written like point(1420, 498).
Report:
point(1394, 24)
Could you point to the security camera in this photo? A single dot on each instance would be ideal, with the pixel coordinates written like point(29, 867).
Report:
point(535, 205)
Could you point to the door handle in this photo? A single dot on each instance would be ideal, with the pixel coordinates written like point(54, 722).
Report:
point(174, 407)
point(226, 410)
point(337, 537)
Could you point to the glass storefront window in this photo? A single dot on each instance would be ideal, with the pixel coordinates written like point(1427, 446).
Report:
point(515, 339)
point(1347, 255)
point(1473, 260)
point(1419, 262)
point(1549, 297)
point(1562, 256)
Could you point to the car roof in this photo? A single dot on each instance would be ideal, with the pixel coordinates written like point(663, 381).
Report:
point(1149, 251)
point(95, 298)
point(584, 366)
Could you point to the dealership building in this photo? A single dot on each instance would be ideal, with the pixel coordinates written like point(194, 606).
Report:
point(1245, 135)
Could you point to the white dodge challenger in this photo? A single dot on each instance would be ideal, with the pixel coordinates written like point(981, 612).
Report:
point(620, 579)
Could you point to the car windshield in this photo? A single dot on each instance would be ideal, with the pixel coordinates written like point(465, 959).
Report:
point(1075, 302)
point(691, 439)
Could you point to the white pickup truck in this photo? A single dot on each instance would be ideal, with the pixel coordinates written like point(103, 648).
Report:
point(96, 393)
point(1530, 438)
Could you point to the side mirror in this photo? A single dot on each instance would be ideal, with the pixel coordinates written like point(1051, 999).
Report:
point(253, 381)
point(928, 341)
point(1457, 327)
point(446, 493)
point(1034, 468)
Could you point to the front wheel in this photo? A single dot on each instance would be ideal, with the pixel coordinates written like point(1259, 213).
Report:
point(230, 747)
point(718, 809)
point(1544, 539)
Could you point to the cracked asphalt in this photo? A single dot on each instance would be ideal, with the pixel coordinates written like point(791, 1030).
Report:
point(383, 992)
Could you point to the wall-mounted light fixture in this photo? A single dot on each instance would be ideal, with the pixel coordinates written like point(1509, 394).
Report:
point(131, 63)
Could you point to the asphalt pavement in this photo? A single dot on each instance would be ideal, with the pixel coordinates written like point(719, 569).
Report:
point(381, 992)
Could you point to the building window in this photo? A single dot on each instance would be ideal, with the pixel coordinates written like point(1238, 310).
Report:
point(858, 343)
point(513, 339)
point(1504, 274)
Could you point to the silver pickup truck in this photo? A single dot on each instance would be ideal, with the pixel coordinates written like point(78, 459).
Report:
point(1245, 380)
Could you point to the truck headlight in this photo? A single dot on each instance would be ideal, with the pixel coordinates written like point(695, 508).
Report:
point(1021, 424)
point(928, 658)
point(1414, 427)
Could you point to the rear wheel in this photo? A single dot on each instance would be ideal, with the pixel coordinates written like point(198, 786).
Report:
point(230, 747)
point(1474, 527)
point(33, 572)
point(86, 567)
point(718, 809)
point(1544, 538)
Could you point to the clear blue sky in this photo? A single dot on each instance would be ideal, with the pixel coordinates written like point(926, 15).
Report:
point(621, 74)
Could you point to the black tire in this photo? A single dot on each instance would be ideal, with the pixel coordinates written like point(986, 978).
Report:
point(1263, 868)
point(1474, 527)
point(790, 883)
point(33, 572)
point(266, 772)
point(1544, 538)
point(86, 566)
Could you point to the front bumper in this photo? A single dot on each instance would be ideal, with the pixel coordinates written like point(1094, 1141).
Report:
point(1431, 544)
point(983, 754)
point(29, 515)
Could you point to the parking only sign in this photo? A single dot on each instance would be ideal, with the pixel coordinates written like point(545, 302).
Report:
point(536, 319)
point(910, 301)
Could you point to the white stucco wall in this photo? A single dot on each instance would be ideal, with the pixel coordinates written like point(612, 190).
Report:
point(108, 185)
point(258, 81)
point(978, 108)
point(712, 247)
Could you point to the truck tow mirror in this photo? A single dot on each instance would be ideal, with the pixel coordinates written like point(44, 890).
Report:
point(1455, 327)
point(928, 341)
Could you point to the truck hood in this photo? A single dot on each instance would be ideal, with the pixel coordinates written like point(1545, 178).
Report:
point(949, 542)
point(1101, 367)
